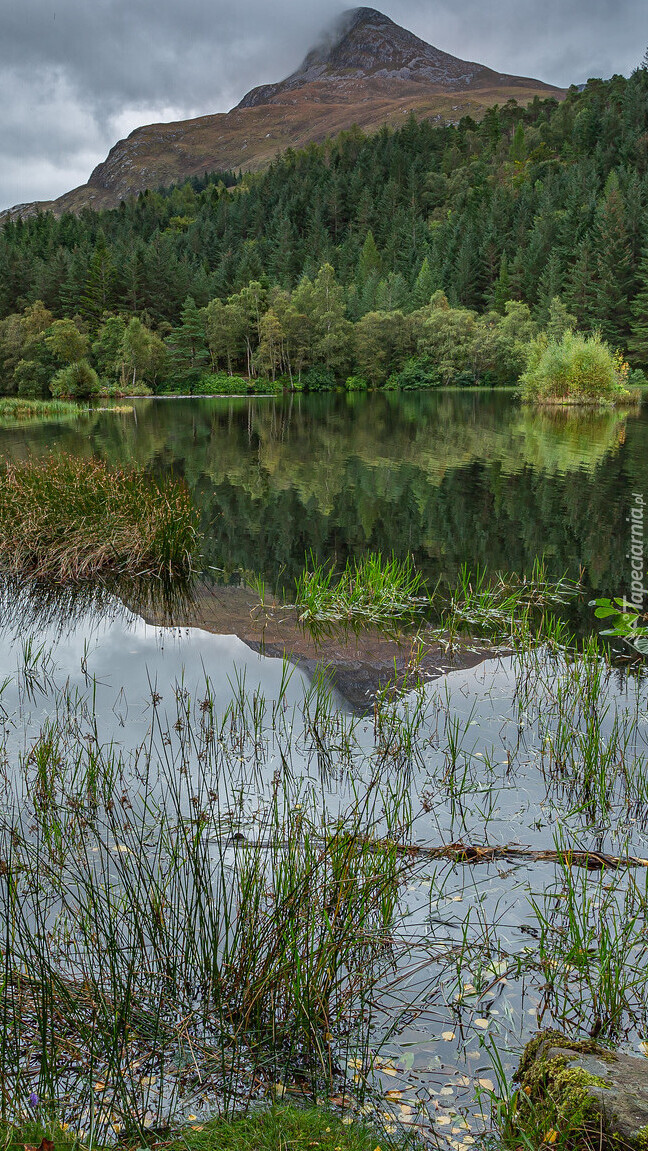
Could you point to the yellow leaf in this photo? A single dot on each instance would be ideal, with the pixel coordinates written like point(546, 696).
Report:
point(482, 1023)
point(487, 1084)
point(393, 1094)
point(196, 1126)
point(551, 1136)
point(347, 1120)
point(447, 1035)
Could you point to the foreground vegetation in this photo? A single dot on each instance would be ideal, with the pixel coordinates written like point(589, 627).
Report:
point(273, 1129)
point(246, 903)
point(69, 519)
point(321, 271)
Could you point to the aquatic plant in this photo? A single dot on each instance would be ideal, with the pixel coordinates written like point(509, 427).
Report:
point(368, 591)
point(627, 621)
point(69, 519)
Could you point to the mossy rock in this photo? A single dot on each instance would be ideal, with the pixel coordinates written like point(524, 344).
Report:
point(581, 1095)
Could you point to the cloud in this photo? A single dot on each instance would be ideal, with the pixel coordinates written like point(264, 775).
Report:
point(74, 77)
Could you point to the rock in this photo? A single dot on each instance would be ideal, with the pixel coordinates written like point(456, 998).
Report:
point(583, 1085)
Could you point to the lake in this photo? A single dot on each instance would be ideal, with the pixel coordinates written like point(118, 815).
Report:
point(537, 752)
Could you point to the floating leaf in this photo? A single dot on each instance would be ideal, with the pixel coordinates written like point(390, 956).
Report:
point(487, 1084)
point(482, 1023)
point(447, 1035)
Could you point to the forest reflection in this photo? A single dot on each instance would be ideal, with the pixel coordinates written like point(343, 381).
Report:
point(450, 477)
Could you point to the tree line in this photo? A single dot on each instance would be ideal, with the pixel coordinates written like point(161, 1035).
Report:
point(361, 258)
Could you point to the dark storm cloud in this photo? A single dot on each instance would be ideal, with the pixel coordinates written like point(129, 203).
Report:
point(76, 77)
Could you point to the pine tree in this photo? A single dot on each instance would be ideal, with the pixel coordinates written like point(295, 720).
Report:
point(502, 292)
point(615, 279)
point(638, 342)
point(99, 287)
point(425, 285)
point(188, 343)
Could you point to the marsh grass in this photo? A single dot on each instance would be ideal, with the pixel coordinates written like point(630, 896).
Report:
point(67, 520)
point(390, 594)
point(371, 590)
point(289, 1128)
point(17, 409)
point(152, 949)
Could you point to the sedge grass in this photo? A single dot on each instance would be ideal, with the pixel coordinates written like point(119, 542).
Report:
point(67, 520)
point(146, 944)
point(19, 408)
point(369, 591)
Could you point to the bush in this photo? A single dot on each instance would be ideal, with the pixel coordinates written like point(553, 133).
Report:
point(356, 384)
point(220, 384)
point(318, 379)
point(575, 369)
point(77, 381)
point(416, 374)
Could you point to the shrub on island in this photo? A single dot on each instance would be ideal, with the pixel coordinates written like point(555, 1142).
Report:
point(575, 369)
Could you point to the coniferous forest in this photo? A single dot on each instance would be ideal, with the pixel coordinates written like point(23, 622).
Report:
point(427, 255)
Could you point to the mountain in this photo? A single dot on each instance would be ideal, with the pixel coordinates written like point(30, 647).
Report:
point(367, 71)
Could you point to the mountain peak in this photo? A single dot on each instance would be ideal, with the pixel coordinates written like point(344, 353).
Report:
point(363, 43)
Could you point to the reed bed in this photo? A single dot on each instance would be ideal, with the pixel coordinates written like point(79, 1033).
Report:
point(21, 408)
point(68, 520)
point(369, 591)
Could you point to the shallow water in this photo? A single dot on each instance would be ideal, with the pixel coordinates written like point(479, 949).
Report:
point(495, 756)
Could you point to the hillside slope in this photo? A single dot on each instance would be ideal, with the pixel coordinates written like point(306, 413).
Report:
point(368, 71)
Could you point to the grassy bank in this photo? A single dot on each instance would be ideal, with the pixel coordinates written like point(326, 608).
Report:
point(68, 519)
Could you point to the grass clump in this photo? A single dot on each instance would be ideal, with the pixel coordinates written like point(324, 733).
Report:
point(22, 408)
point(67, 519)
point(281, 1127)
point(576, 369)
point(371, 590)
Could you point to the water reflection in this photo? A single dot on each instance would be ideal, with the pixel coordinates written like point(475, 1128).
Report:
point(451, 477)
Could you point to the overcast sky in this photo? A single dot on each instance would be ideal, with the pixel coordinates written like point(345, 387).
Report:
point(77, 75)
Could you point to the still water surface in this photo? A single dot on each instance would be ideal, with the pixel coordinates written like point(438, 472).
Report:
point(450, 478)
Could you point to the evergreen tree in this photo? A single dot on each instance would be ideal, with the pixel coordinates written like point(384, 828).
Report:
point(638, 342)
point(425, 285)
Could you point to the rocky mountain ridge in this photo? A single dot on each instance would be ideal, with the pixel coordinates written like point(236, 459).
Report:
point(367, 71)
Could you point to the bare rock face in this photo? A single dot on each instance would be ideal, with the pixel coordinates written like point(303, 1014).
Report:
point(365, 43)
